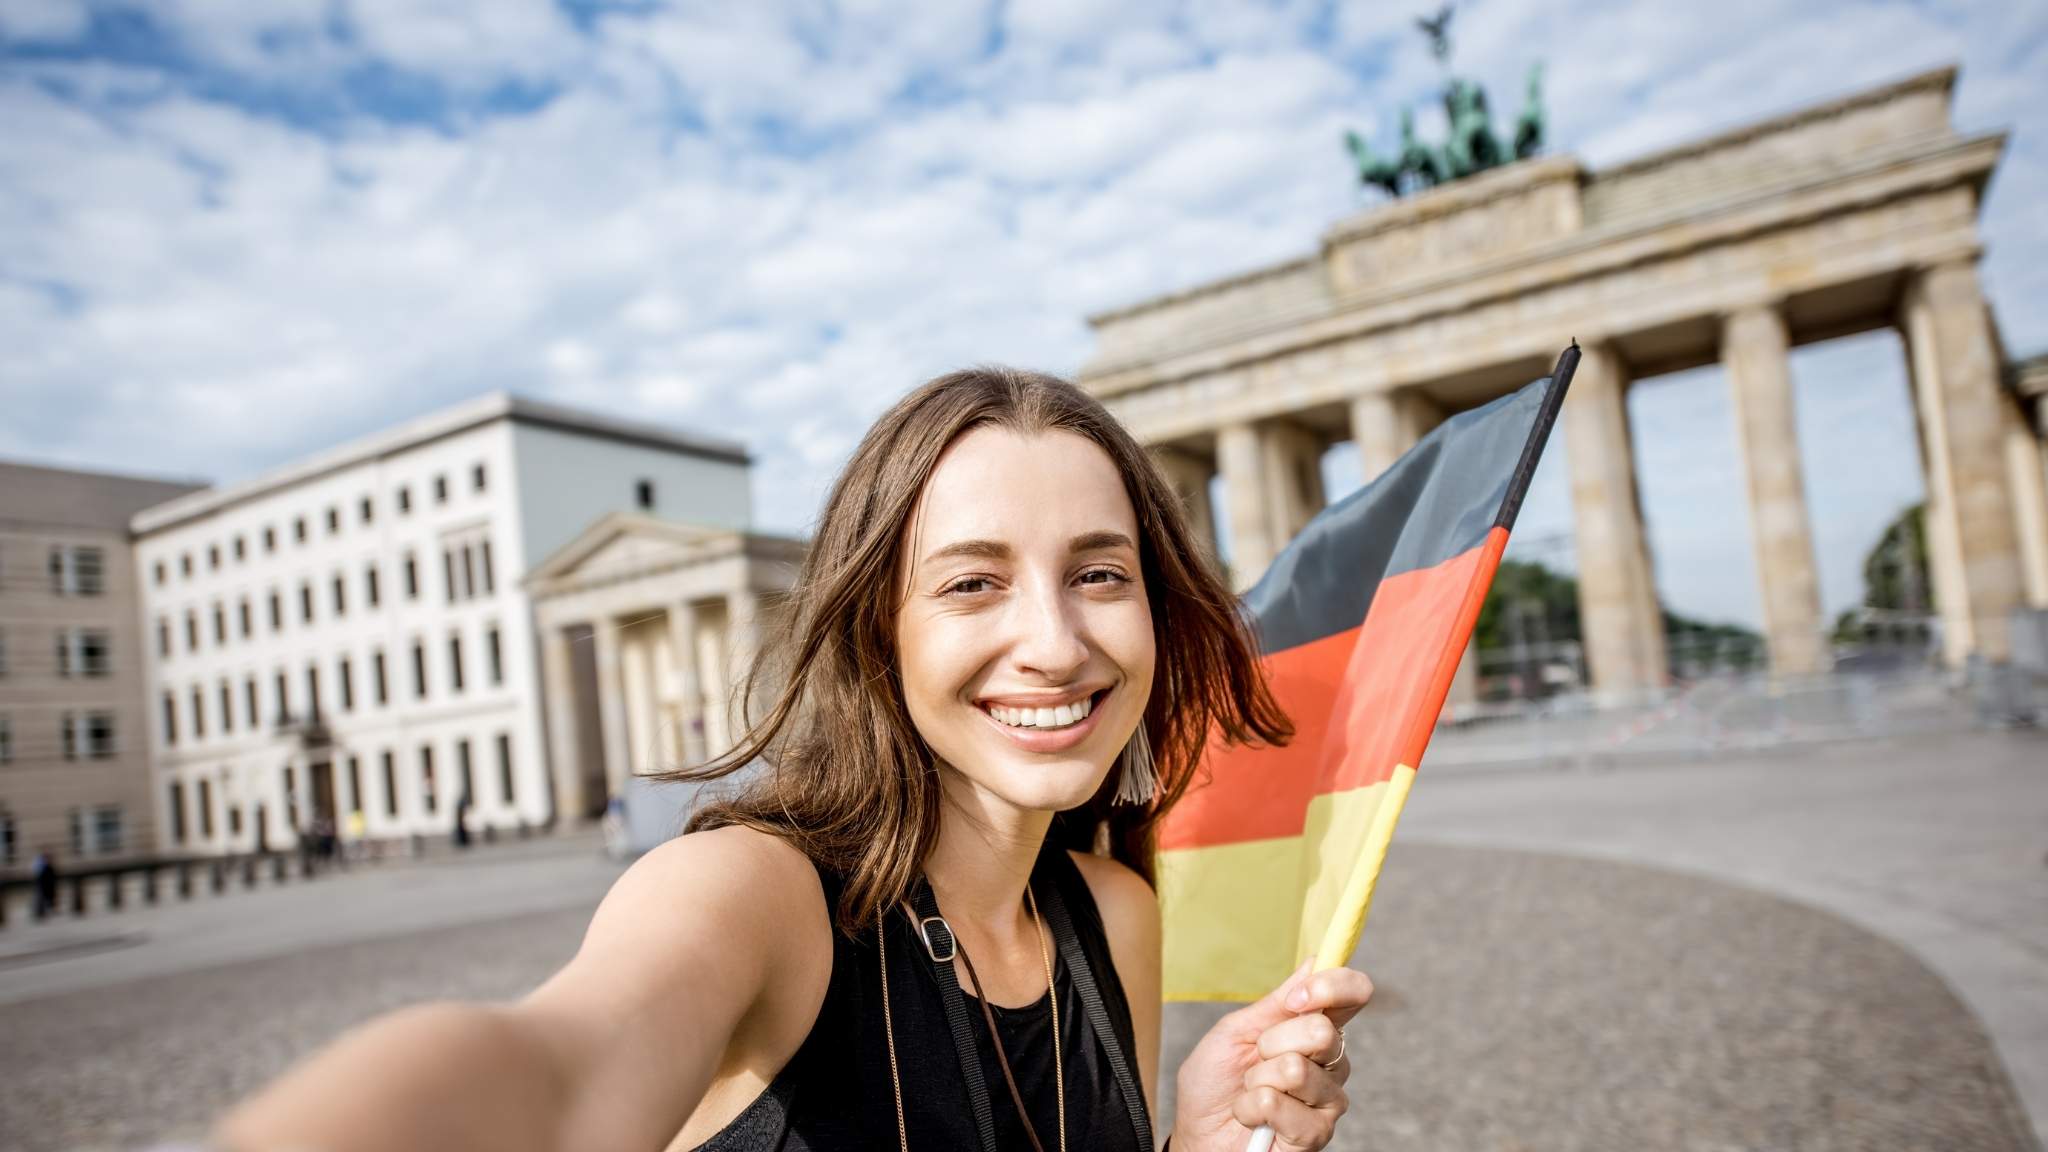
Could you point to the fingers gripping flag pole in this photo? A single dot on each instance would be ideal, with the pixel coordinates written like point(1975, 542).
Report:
point(1274, 854)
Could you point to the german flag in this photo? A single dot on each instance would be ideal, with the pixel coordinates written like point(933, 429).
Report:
point(1272, 856)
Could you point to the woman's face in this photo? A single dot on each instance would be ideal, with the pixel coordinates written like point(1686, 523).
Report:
point(1025, 640)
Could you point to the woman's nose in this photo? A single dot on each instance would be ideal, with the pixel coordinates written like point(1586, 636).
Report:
point(1047, 637)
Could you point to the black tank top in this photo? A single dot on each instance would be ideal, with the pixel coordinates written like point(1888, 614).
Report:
point(835, 1093)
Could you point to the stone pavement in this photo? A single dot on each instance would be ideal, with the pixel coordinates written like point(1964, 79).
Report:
point(1528, 1000)
point(1525, 1001)
point(1939, 843)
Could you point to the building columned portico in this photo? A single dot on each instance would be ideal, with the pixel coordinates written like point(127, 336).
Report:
point(647, 629)
point(1837, 219)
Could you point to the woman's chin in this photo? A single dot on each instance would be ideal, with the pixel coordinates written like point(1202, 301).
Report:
point(1041, 786)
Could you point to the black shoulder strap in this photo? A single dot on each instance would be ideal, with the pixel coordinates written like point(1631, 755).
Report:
point(1062, 925)
point(938, 942)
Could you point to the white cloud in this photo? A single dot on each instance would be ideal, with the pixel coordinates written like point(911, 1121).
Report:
point(769, 221)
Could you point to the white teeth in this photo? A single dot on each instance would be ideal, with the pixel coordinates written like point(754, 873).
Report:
point(1060, 716)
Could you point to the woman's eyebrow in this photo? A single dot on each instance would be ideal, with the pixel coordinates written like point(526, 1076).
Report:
point(974, 549)
point(1100, 542)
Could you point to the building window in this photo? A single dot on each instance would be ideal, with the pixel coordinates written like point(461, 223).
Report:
point(76, 570)
point(455, 663)
point(643, 494)
point(476, 477)
point(429, 799)
point(379, 686)
point(284, 698)
point(235, 815)
point(6, 740)
point(10, 846)
point(108, 830)
point(206, 809)
point(291, 797)
point(84, 652)
point(404, 500)
point(484, 553)
point(227, 707)
point(390, 784)
point(465, 796)
point(494, 657)
point(213, 557)
point(441, 489)
point(313, 692)
point(174, 801)
point(469, 585)
point(276, 611)
point(412, 576)
point(368, 513)
point(299, 529)
point(248, 624)
point(333, 520)
point(163, 637)
point(305, 601)
point(347, 682)
point(185, 564)
point(198, 714)
point(250, 707)
point(161, 574)
point(191, 630)
point(269, 539)
point(448, 572)
point(87, 735)
point(220, 624)
point(340, 597)
point(355, 785)
point(505, 767)
point(370, 595)
point(170, 719)
point(241, 549)
point(419, 670)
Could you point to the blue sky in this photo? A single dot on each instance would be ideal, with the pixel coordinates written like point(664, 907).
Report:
point(232, 233)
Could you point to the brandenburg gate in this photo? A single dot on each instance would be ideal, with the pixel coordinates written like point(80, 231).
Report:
point(1850, 216)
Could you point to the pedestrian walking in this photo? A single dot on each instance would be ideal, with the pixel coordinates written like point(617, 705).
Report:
point(44, 874)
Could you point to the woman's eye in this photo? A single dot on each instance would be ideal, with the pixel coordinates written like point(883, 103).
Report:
point(968, 586)
point(1102, 576)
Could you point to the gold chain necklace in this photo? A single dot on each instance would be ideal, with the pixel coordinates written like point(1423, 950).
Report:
point(1052, 995)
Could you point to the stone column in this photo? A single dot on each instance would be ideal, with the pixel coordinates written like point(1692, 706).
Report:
point(558, 701)
point(1619, 619)
point(1293, 488)
point(1384, 426)
point(1240, 456)
point(1189, 474)
point(2029, 499)
point(1755, 350)
point(611, 704)
point(742, 641)
point(682, 633)
point(1971, 526)
point(643, 699)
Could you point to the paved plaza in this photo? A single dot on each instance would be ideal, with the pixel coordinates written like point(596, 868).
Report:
point(1843, 947)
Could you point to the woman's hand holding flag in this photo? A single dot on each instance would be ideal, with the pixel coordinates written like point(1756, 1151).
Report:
point(1278, 1062)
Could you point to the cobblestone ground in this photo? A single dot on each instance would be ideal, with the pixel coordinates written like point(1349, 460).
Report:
point(1525, 1002)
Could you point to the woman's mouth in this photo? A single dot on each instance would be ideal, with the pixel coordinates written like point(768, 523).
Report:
point(1050, 727)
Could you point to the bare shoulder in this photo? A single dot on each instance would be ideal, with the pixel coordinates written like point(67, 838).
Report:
point(1129, 907)
point(732, 912)
point(743, 865)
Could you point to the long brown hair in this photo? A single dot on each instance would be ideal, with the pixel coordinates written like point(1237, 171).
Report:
point(845, 777)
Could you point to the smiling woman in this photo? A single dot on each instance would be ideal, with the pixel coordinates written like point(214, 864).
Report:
point(1000, 668)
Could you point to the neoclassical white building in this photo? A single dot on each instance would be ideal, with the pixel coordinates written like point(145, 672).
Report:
point(353, 631)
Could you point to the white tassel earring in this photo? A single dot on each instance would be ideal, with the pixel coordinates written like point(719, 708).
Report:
point(1137, 778)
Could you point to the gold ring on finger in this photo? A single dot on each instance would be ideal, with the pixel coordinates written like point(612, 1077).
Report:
point(1339, 1057)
